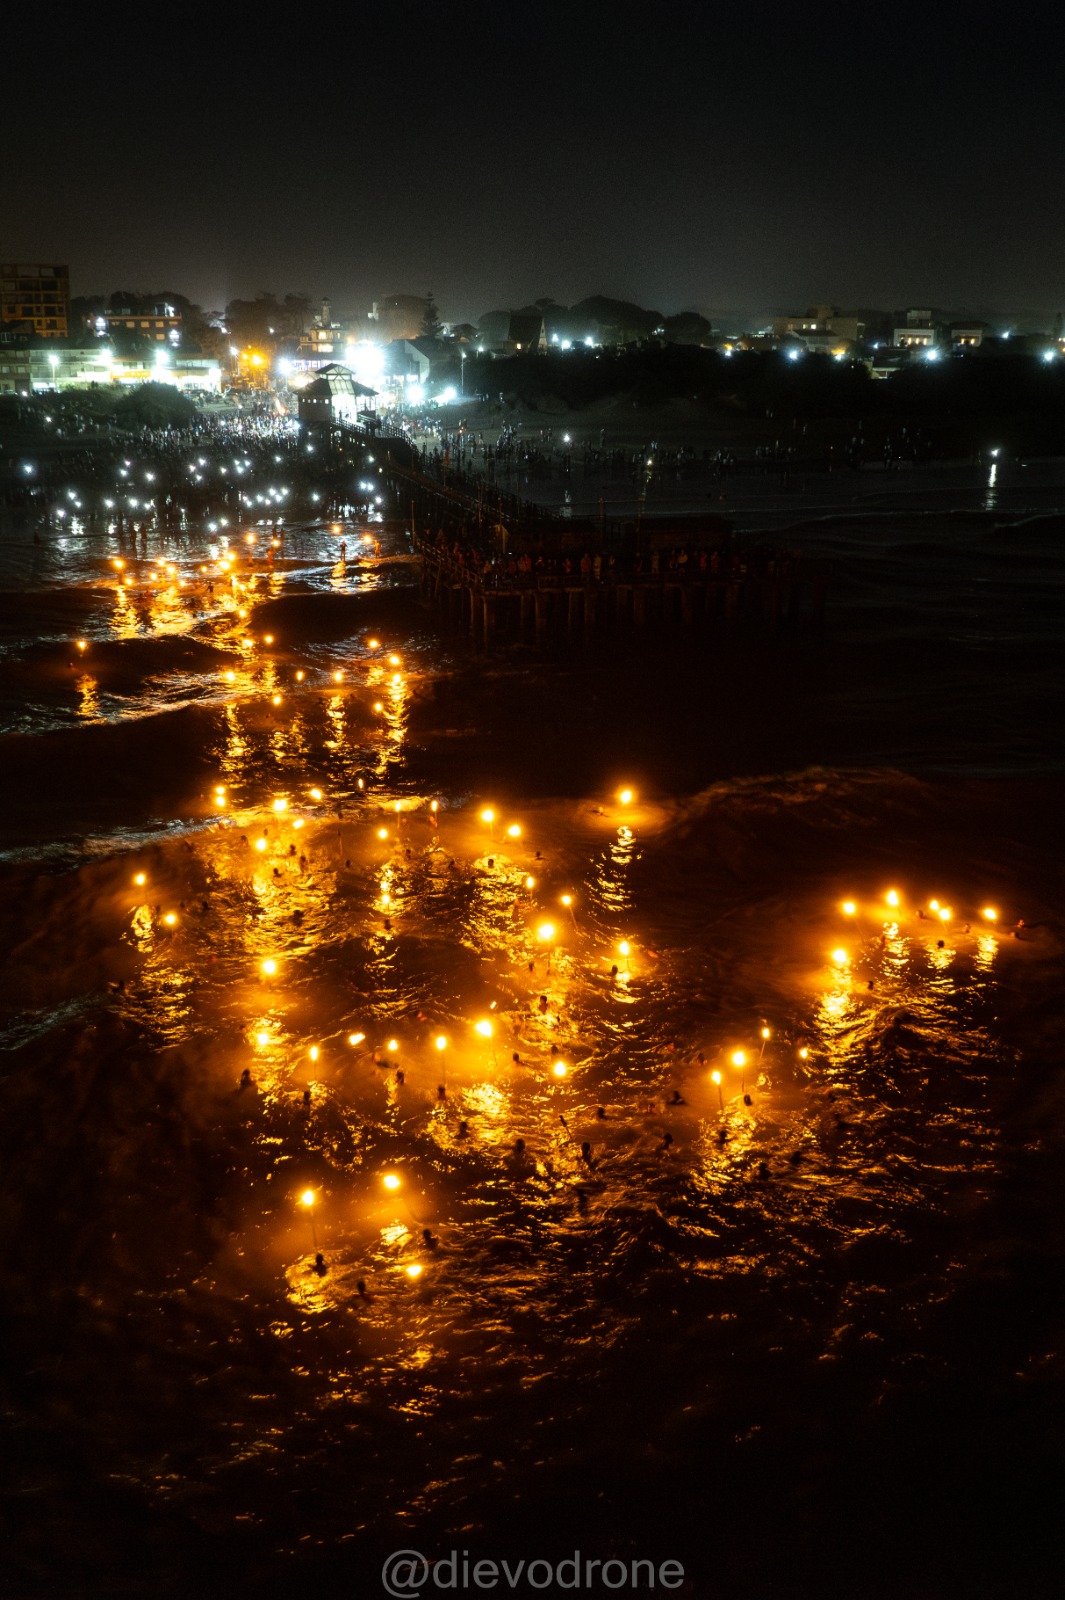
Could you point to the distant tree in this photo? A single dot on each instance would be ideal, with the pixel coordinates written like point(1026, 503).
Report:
point(688, 327)
point(431, 323)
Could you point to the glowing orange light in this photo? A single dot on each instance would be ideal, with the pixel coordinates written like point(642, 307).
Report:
point(170, 919)
point(546, 931)
point(990, 914)
point(803, 1053)
point(355, 1038)
point(840, 957)
point(739, 1058)
point(484, 1029)
point(390, 1180)
point(308, 1197)
point(625, 796)
point(715, 1077)
point(140, 879)
point(280, 805)
point(373, 644)
point(514, 832)
point(382, 833)
point(393, 1044)
point(260, 845)
point(299, 676)
point(268, 968)
point(892, 897)
point(316, 794)
point(560, 1069)
point(441, 1041)
point(849, 908)
point(313, 1052)
point(624, 947)
point(415, 1269)
point(488, 815)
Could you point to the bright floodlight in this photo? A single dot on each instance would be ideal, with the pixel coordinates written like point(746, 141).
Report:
point(390, 1180)
point(308, 1197)
point(739, 1058)
point(484, 1029)
point(840, 957)
point(546, 932)
point(441, 1041)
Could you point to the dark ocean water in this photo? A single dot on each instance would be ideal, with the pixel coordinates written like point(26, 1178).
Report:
point(806, 1345)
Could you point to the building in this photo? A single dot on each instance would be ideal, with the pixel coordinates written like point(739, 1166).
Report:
point(37, 297)
point(332, 397)
point(520, 332)
point(202, 374)
point(919, 332)
point(160, 323)
point(822, 321)
point(968, 335)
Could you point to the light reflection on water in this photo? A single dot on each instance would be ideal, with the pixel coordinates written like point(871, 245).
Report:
point(546, 1255)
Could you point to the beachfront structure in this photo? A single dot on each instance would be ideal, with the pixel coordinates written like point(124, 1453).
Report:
point(333, 397)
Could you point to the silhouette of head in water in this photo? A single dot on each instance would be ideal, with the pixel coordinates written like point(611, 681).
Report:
point(514, 1056)
point(306, 1097)
point(667, 1140)
point(519, 1147)
point(441, 1092)
point(600, 1112)
point(319, 1265)
point(463, 1129)
point(431, 1241)
point(245, 1078)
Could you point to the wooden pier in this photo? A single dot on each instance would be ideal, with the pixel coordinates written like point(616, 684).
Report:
point(542, 609)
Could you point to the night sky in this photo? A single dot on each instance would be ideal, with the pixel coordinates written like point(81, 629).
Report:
point(741, 156)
